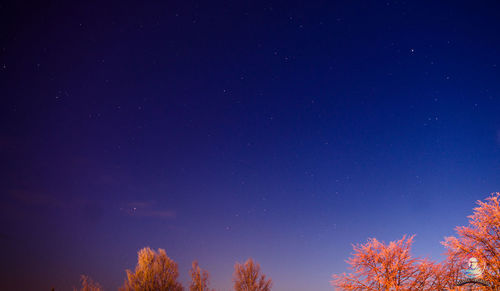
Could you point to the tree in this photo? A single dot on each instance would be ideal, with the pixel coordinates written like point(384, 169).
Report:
point(154, 271)
point(199, 278)
point(88, 284)
point(248, 277)
point(480, 239)
point(450, 271)
point(378, 266)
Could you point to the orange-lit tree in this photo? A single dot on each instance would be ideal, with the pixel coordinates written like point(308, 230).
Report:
point(248, 277)
point(450, 271)
point(154, 271)
point(88, 284)
point(199, 278)
point(480, 239)
point(380, 266)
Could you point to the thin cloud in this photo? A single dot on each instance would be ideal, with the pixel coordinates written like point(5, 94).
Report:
point(37, 199)
point(158, 213)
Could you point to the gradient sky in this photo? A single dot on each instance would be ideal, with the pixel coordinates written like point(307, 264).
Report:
point(281, 130)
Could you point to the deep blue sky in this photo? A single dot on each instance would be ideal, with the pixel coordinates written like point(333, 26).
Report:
point(281, 131)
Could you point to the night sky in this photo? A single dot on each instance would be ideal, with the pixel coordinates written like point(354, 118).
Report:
point(283, 131)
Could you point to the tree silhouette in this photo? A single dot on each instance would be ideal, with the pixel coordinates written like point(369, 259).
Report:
point(199, 278)
point(154, 271)
point(247, 277)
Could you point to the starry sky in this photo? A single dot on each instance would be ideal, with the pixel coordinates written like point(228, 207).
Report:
point(284, 131)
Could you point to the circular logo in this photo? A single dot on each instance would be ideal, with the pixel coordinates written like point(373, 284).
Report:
point(473, 269)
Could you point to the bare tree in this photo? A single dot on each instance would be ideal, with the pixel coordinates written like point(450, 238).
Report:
point(88, 284)
point(480, 239)
point(199, 278)
point(380, 266)
point(248, 277)
point(154, 271)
